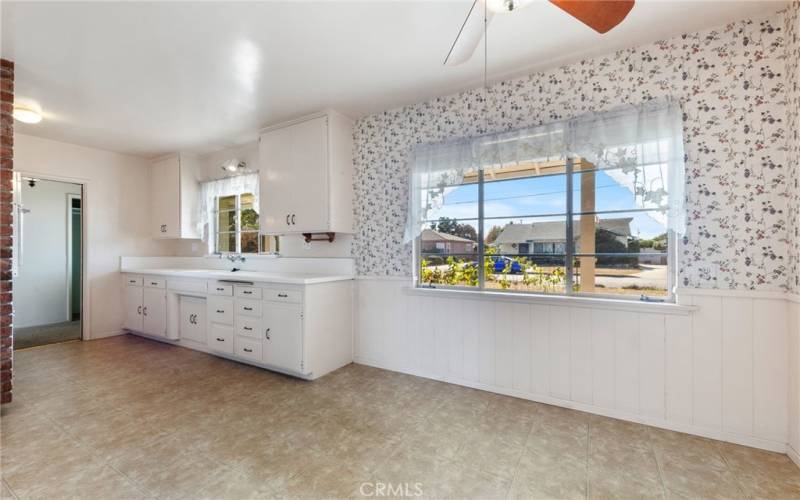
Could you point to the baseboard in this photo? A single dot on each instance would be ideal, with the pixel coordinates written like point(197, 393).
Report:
point(102, 335)
point(754, 442)
point(793, 455)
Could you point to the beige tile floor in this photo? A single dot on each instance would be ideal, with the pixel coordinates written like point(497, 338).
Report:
point(131, 418)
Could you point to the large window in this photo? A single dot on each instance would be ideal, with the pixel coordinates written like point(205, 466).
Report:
point(599, 223)
point(236, 228)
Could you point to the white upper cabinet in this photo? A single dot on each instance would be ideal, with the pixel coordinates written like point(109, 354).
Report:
point(173, 197)
point(307, 175)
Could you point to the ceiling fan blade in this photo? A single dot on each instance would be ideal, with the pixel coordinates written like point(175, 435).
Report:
point(469, 36)
point(600, 15)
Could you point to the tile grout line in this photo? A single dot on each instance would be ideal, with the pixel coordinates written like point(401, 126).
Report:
point(658, 465)
point(8, 487)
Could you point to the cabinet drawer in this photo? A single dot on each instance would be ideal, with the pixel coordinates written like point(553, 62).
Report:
point(155, 283)
point(248, 307)
point(220, 310)
point(215, 288)
point(220, 338)
point(293, 296)
point(247, 292)
point(133, 280)
point(248, 327)
point(249, 349)
point(195, 286)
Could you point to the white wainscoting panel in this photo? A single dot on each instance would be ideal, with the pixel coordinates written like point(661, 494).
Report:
point(720, 371)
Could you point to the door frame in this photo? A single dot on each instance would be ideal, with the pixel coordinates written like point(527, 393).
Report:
point(70, 297)
point(86, 332)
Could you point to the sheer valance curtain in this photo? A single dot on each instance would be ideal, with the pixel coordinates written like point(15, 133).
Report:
point(209, 193)
point(640, 147)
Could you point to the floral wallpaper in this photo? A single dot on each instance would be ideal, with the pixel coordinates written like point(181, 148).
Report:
point(792, 27)
point(731, 84)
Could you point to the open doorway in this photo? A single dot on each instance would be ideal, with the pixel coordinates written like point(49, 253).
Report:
point(47, 282)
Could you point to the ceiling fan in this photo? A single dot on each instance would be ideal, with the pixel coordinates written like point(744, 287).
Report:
point(600, 15)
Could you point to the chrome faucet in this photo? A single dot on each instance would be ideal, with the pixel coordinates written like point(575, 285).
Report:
point(235, 257)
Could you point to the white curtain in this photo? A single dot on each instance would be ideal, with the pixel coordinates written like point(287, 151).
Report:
point(640, 147)
point(211, 190)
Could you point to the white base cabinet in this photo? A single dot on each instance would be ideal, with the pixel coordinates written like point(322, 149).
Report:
point(146, 307)
point(301, 330)
point(193, 318)
point(283, 336)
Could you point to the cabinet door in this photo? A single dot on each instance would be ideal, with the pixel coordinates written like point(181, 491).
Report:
point(294, 180)
point(309, 211)
point(154, 311)
point(165, 198)
point(133, 308)
point(193, 319)
point(283, 336)
point(275, 155)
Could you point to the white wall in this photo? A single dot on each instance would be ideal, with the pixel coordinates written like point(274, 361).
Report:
point(291, 246)
point(115, 218)
point(720, 371)
point(41, 294)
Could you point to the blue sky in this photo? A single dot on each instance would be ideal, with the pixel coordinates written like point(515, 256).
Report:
point(511, 200)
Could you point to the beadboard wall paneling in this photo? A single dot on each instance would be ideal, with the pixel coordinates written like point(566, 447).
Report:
point(721, 371)
point(793, 326)
point(730, 82)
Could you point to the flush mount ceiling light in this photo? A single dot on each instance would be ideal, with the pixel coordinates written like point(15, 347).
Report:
point(234, 166)
point(27, 113)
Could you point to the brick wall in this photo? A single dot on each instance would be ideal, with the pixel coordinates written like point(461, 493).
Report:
point(6, 227)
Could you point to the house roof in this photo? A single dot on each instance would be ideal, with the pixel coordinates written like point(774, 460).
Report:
point(431, 235)
point(556, 230)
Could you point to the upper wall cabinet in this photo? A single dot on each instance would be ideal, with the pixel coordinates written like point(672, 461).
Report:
point(307, 175)
point(173, 197)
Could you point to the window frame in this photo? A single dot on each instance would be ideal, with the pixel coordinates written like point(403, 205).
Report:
point(570, 255)
point(237, 232)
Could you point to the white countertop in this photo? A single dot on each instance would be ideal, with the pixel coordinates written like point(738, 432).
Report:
point(254, 276)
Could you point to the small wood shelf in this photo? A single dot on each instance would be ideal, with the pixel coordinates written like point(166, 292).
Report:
point(329, 237)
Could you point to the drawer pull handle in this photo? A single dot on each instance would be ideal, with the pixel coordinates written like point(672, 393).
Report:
point(292, 219)
point(282, 295)
point(247, 292)
point(139, 310)
point(220, 311)
point(154, 283)
point(144, 311)
point(268, 329)
point(220, 289)
point(220, 340)
point(247, 350)
point(248, 308)
point(247, 328)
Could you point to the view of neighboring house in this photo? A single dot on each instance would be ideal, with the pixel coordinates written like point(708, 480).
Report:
point(551, 237)
point(436, 242)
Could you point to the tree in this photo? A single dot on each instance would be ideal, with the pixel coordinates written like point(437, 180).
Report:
point(606, 241)
point(494, 232)
point(451, 226)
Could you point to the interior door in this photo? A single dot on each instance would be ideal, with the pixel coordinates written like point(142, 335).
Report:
point(154, 312)
point(283, 332)
point(133, 308)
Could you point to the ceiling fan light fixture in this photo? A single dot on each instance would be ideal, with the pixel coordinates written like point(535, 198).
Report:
point(506, 6)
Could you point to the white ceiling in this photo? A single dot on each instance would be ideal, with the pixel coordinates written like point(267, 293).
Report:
point(151, 78)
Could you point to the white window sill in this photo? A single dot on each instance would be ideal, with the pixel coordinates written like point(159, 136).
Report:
point(556, 300)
